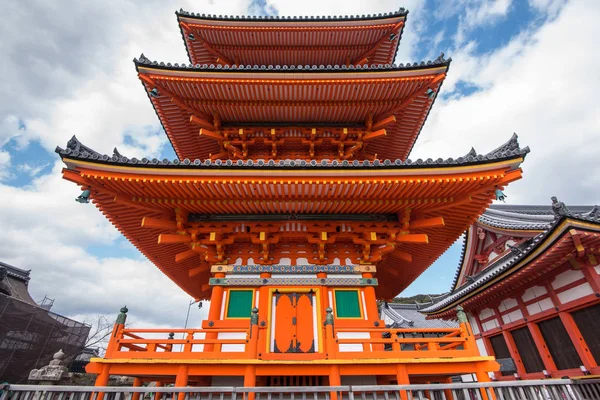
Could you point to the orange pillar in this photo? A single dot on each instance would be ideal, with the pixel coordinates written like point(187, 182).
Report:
point(214, 314)
point(181, 380)
point(334, 380)
point(483, 376)
point(540, 343)
point(159, 395)
point(372, 310)
point(137, 382)
point(250, 380)
point(403, 379)
point(102, 379)
point(580, 345)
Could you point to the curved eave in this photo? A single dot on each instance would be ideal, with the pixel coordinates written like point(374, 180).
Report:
point(289, 19)
point(263, 95)
point(126, 194)
point(533, 254)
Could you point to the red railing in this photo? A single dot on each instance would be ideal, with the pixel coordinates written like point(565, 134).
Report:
point(339, 343)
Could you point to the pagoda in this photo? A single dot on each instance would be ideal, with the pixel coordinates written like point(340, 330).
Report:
point(292, 206)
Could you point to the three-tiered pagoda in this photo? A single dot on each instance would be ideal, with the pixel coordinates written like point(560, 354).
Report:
point(292, 205)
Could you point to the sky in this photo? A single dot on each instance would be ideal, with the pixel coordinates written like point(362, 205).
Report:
point(524, 66)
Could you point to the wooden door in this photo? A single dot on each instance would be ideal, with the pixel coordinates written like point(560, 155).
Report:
point(293, 323)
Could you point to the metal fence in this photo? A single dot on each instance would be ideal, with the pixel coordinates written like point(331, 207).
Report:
point(551, 389)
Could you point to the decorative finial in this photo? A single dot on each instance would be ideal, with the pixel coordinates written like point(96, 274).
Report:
point(559, 208)
point(329, 316)
point(122, 317)
point(461, 315)
point(254, 316)
point(171, 335)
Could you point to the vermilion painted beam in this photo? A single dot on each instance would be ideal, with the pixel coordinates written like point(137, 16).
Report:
point(186, 255)
point(156, 223)
point(211, 134)
point(374, 135)
point(416, 238)
point(404, 256)
point(202, 122)
point(436, 222)
point(384, 122)
point(197, 271)
point(167, 238)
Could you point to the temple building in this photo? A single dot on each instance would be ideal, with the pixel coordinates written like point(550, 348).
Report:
point(292, 206)
point(529, 282)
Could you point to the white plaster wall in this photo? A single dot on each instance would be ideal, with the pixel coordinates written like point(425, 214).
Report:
point(513, 316)
point(491, 324)
point(346, 347)
point(533, 292)
point(473, 322)
point(229, 348)
point(539, 306)
point(575, 293)
point(485, 313)
point(508, 304)
point(481, 347)
point(566, 277)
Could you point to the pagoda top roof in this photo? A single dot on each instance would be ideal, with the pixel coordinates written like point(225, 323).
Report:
point(302, 40)
point(552, 223)
point(328, 98)
point(401, 12)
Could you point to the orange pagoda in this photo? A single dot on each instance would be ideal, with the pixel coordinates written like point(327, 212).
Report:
point(291, 206)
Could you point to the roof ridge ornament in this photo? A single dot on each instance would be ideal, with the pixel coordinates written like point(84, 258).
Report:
point(559, 208)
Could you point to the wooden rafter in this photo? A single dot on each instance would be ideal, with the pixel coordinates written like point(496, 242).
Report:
point(365, 56)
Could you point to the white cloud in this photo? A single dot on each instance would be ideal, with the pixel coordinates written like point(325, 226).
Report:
point(544, 86)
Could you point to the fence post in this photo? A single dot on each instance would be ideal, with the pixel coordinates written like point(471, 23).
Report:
point(117, 333)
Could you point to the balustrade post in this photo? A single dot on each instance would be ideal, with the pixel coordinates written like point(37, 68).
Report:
point(250, 380)
point(467, 332)
point(403, 379)
point(187, 347)
point(253, 339)
point(330, 340)
point(117, 333)
point(169, 346)
point(334, 380)
point(102, 379)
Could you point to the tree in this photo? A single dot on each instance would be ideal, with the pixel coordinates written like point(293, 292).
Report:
point(101, 328)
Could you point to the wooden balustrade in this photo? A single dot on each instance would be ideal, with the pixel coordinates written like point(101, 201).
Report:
point(242, 343)
point(180, 343)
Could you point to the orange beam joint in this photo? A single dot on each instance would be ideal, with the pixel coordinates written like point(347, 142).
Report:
point(167, 238)
point(374, 135)
point(156, 223)
point(436, 222)
point(577, 242)
point(414, 238)
point(404, 256)
point(384, 122)
point(202, 122)
point(186, 255)
point(211, 134)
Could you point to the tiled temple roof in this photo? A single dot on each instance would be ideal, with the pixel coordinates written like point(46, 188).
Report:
point(409, 316)
point(439, 61)
point(270, 18)
point(507, 217)
point(76, 150)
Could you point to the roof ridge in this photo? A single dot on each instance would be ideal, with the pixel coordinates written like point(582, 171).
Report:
point(401, 12)
point(441, 60)
point(75, 149)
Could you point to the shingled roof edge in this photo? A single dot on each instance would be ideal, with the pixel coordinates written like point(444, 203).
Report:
point(402, 12)
point(75, 149)
point(438, 62)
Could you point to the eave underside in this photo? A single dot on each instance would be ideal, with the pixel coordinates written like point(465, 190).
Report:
point(128, 196)
point(291, 43)
point(293, 104)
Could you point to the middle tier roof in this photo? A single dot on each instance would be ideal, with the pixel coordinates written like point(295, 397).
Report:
point(294, 100)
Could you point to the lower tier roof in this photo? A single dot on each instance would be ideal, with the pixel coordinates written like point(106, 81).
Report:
point(435, 202)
